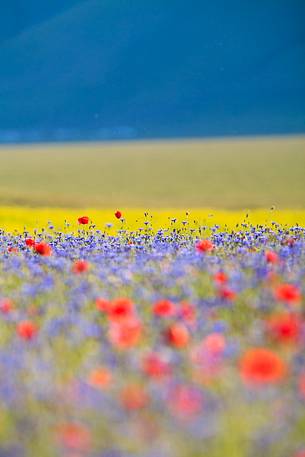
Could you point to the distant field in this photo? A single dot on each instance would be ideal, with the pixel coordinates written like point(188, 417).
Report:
point(229, 174)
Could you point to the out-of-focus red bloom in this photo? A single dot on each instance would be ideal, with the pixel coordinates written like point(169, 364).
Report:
point(214, 344)
point(6, 305)
point(284, 328)
point(288, 293)
point(118, 214)
point(271, 257)
point(208, 357)
point(302, 385)
point(27, 330)
point(43, 248)
point(74, 436)
point(204, 246)
point(30, 242)
point(187, 312)
point(221, 278)
point(13, 249)
point(226, 293)
point(177, 335)
point(103, 305)
point(164, 308)
point(260, 366)
point(80, 266)
point(185, 401)
point(83, 220)
point(100, 378)
point(134, 397)
point(126, 334)
point(121, 309)
point(155, 367)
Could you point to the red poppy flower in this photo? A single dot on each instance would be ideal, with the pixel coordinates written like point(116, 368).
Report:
point(284, 328)
point(43, 248)
point(103, 305)
point(221, 277)
point(227, 294)
point(177, 335)
point(126, 334)
point(260, 366)
point(271, 257)
point(12, 249)
point(155, 367)
point(288, 293)
point(187, 312)
point(120, 309)
point(74, 436)
point(185, 401)
point(214, 344)
point(100, 378)
point(134, 397)
point(30, 242)
point(204, 246)
point(164, 308)
point(27, 330)
point(208, 357)
point(80, 266)
point(118, 214)
point(84, 220)
point(6, 306)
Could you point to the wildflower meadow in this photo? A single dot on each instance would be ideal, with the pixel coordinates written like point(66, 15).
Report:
point(181, 341)
point(152, 228)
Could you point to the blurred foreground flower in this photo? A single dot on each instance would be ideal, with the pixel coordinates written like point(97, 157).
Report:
point(260, 366)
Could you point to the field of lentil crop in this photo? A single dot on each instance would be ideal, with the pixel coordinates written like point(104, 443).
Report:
point(148, 306)
point(225, 174)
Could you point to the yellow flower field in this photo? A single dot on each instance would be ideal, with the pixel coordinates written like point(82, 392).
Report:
point(20, 218)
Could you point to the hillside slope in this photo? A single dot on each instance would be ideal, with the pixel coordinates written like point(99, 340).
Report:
point(131, 68)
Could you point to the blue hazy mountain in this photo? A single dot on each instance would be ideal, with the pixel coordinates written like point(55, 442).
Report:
point(153, 68)
point(18, 15)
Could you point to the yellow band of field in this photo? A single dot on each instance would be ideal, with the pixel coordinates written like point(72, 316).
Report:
point(20, 218)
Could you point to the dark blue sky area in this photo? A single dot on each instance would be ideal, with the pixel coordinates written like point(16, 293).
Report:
point(99, 69)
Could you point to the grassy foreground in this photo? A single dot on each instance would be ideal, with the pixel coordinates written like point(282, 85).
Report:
point(19, 218)
point(231, 174)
